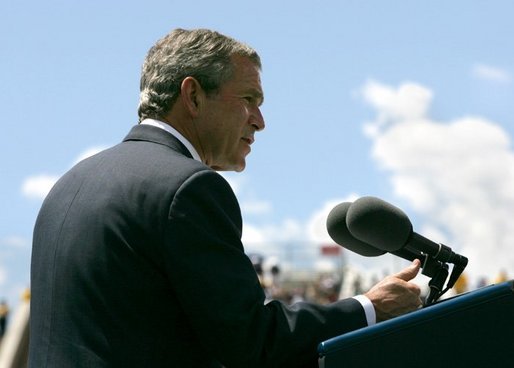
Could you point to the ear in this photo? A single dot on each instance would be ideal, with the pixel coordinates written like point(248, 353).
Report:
point(192, 95)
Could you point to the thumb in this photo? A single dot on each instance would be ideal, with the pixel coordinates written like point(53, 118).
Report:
point(409, 272)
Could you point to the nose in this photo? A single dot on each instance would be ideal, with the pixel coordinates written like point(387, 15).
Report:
point(257, 120)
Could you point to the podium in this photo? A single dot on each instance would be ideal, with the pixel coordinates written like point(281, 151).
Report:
point(475, 329)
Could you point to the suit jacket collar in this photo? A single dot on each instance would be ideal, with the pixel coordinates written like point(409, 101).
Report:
point(156, 135)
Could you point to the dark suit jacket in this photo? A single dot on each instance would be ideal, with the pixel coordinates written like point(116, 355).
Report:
point(137, 262)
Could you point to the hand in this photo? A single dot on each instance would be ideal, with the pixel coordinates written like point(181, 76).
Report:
point(395, 295)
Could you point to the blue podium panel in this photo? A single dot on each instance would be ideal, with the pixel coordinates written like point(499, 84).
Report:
point(475, 329)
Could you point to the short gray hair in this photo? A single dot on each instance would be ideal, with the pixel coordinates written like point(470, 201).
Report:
point(202, 54)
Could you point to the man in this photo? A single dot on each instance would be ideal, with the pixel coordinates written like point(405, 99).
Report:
point(137, 256)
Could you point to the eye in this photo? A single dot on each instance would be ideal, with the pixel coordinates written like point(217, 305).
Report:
point(253, 99)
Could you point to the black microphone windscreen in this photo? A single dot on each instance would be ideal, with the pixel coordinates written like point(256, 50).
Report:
point(338, 231)
point(379, 223)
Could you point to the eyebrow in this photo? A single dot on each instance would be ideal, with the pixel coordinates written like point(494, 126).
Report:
point(258, 95)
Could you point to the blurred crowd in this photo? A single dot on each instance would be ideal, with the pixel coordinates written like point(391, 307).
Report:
point(5, 311)
point(326, 287)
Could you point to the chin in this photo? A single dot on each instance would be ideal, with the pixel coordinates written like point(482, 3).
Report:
point(240, 168)
point(236, 168)
point(230, 167)
point(235, 163)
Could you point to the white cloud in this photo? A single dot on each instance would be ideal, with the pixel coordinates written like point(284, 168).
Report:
point(409, 102)
point(236, 181)
point(15, 242)
point(38, 186)
point(266, 237)
point(256, 207)
point(250, 205)
point(3, 275)
point(491, 73)
point(458, 175)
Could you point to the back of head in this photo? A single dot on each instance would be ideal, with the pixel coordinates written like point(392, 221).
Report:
point(200, 53)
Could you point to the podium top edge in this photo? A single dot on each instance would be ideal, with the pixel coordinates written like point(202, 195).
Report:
point(450, 305)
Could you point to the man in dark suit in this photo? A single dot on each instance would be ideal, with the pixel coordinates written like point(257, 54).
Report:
point(137, 256)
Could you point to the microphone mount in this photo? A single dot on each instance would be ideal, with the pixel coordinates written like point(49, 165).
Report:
point(435, 265)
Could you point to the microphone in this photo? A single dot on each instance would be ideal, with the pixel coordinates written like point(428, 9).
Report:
point(386, 227)
point(338, 231)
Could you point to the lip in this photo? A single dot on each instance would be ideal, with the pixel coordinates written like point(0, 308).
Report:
point(248, 140)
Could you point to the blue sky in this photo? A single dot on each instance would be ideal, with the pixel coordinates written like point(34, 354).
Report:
point(409, 101)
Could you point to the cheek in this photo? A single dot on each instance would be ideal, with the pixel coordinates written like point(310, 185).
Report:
point(232, 125)
point(235, 125)
point(241, 112)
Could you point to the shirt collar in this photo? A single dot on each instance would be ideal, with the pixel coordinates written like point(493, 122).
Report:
point(175, 133)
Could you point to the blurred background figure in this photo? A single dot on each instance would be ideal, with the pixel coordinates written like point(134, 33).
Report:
point(15, 329)
point(4, 313)
point(502, 277)
point(461, 286)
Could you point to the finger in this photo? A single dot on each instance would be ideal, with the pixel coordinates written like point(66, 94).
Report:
point(410, 272)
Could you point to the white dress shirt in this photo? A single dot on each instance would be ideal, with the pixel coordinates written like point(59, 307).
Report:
point(174, 132)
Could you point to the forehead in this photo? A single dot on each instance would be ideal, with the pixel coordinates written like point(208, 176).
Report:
point(246, 76)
